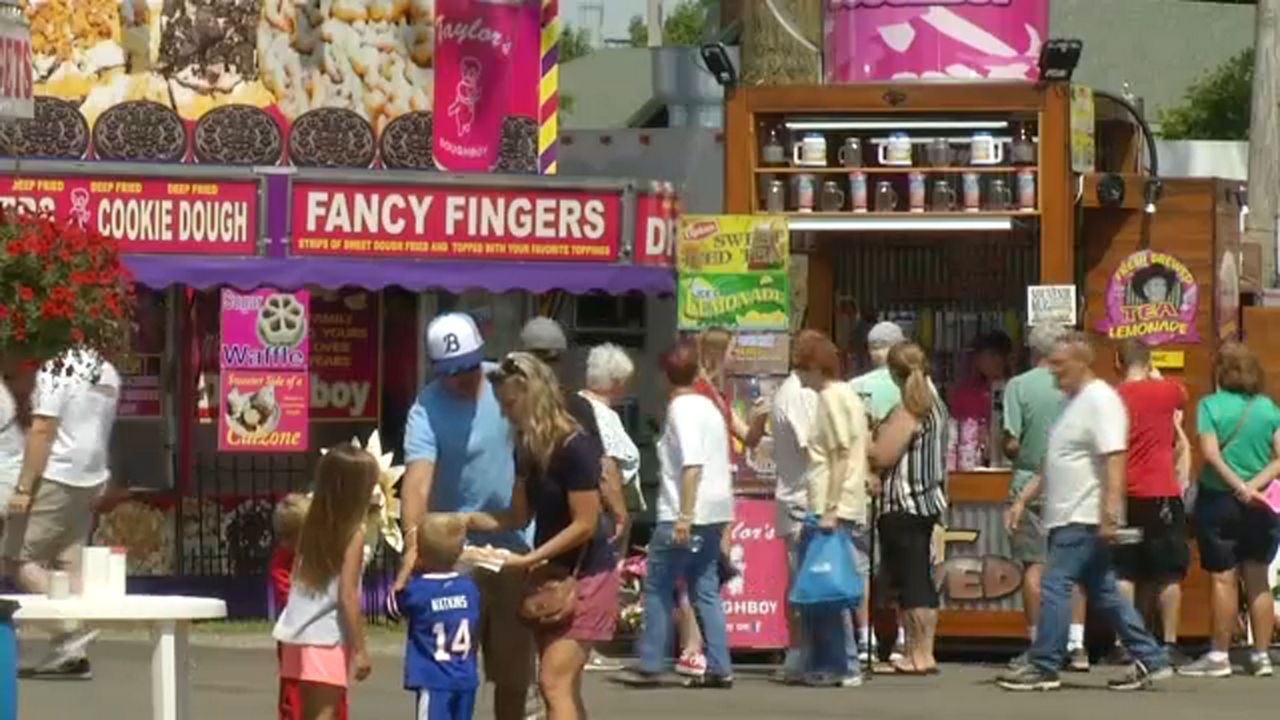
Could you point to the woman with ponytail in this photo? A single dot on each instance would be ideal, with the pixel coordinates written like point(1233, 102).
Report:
point(910, 451)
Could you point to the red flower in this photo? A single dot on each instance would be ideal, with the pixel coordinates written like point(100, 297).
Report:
point(26, 293)
point(77, 334)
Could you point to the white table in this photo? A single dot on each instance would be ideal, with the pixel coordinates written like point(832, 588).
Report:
point(169, 617)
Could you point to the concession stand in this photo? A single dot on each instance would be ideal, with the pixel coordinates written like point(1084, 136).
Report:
point(369, 255)
point(963, 211)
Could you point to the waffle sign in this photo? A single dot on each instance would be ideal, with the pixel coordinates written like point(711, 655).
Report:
point(16, 99)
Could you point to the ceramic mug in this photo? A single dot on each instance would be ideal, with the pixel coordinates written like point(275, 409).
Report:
point(805, 187)
point(896, 151)
point(811, 151)
point(985, 150)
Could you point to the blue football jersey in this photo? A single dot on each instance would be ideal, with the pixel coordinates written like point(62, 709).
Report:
point(443, 611)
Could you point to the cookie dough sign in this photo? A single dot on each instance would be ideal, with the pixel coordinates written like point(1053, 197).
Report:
point(264, 380)
point(1152, 296)
point(207, 217)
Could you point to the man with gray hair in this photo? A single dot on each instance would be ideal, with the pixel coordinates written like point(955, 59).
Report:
point(1032, 402)
point(1084, 490)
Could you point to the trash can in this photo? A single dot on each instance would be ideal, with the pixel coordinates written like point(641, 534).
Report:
point(8, 662)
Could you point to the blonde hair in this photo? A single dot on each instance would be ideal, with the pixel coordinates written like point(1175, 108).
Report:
point(909, 366)
point(345, 477)
point(541, 422)
point(440, 540)
point(289, 515)
point(713, 350)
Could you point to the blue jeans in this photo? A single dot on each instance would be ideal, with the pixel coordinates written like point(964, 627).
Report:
point(696, 564)
point(1077, 556)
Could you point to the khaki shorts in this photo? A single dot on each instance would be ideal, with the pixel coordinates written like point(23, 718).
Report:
point(506, 645)
point(54, 528)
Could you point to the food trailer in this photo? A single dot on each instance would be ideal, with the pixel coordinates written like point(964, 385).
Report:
point(960, 209)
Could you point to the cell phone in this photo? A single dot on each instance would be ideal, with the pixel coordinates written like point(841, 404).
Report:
point(1128, 536)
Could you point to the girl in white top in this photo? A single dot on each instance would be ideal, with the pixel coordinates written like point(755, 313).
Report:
point(321, 630)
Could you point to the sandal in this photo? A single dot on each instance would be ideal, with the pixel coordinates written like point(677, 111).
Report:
point(901, 669)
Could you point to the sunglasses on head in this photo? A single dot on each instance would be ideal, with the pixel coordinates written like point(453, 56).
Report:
point(508, 368)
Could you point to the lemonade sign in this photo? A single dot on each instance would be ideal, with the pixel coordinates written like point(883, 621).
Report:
point(741, 301)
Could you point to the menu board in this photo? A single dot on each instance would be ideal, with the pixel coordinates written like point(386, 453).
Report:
point(344, 362)
point(140, 367)
point(263, 358)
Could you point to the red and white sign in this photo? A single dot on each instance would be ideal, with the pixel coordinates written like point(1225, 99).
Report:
point(657, 219)
point(460, 223)
point(16, 85)
point(207, 217)
point(755, 602)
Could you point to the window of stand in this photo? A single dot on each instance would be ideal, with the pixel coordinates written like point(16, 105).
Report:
point(932, 222)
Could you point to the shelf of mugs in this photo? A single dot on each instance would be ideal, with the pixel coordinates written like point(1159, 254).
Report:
point(877, 170)
point(905, 221)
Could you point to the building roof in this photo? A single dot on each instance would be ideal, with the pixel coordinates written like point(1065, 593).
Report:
point(610, 87)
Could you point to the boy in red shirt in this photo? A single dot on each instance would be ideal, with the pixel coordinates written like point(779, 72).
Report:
point(1151, 571)
point(287, 521)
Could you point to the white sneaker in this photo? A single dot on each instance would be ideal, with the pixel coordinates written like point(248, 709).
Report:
point(1260, 665)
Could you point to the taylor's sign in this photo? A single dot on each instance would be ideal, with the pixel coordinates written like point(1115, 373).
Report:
point(426, 222)
point(1152, 296)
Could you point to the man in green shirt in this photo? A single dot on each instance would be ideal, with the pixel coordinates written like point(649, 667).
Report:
point(1032, 403)
point(876, 388)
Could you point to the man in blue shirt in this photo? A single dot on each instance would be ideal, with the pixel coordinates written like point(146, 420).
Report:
point(459, 458)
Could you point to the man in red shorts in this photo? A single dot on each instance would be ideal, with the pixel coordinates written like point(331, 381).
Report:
point(1150, 571)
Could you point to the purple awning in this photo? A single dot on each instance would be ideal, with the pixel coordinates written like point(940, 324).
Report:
point(159, 271)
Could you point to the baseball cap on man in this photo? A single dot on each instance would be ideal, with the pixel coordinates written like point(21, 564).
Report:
point(543, 335)
point(454, 344)
point(885, 334)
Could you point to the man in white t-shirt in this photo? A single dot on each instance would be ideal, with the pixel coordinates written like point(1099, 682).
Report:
point(1084, 490)
point(64, 470)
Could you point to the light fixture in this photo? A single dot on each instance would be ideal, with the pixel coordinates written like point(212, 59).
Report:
point(1058, 59)
point(896, 124)
point(871, 223)
point(716, 57)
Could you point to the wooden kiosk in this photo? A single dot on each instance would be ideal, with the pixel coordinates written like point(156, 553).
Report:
point(949, 266)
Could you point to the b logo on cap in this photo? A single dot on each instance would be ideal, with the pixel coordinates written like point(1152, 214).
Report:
point(451, 343)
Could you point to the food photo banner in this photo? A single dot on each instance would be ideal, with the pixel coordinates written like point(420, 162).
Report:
point(207, 217)
point(263, 411)
point(733, 273)
point(409, 221)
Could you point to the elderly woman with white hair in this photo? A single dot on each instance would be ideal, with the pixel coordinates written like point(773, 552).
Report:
point(1032, 402)
point(609, 370)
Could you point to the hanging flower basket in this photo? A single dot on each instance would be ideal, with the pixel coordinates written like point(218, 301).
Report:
point(62, 287)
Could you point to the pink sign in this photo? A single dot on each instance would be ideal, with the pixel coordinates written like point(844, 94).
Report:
point(421, 221)
point(263, 411)
point(475, 52)
point(755, 601)
point(265, 329)
point(203, 217)
point(869, 40)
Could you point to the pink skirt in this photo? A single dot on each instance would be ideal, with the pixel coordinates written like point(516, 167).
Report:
point(327, 665)
point(596, 612)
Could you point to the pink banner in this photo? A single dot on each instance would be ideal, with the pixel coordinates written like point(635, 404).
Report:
point(869, 40)
point(265, 330)
point(263, 411)
point(475, 53)
point(755, 601)
point(149, 216)
point(657, 219)
point(370, 220)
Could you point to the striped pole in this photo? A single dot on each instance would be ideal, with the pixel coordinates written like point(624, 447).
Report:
point(549, 89)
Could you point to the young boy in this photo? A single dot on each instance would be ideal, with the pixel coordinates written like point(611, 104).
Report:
point(443, 611)
point(287, 520)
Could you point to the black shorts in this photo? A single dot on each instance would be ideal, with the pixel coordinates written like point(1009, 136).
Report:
point(1230, 533)
point(1163, 555)
point(906, 554)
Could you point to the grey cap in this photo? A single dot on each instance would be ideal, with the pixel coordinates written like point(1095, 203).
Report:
point(885, 334)
point(542, 334)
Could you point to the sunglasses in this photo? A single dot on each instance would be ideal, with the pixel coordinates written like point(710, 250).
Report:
point(509, 367)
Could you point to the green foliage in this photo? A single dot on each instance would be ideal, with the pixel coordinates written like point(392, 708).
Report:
point(575, 42)
point(684, 26)
point(1215, 106)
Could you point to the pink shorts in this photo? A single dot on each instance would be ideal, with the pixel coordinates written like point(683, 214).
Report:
point(596, 611)
point(327, 665)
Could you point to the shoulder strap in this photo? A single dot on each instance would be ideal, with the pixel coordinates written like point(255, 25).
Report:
point(1226, 440)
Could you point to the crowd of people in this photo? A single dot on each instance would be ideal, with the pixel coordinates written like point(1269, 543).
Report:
point(508, 468)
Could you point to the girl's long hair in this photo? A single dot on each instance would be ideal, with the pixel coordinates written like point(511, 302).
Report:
point(909, 366)
point(713, 352)
point(542, 424)
point(345, 478)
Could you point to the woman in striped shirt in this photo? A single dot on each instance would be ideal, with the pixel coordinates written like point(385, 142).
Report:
point(910, 451)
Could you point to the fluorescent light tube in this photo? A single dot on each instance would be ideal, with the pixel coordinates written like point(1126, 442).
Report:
point(896, 124)
point(866, 223)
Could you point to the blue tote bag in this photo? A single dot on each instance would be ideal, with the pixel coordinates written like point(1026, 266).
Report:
point(827, 575)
